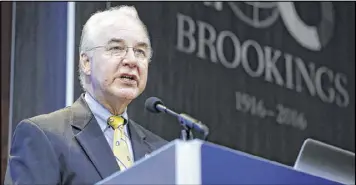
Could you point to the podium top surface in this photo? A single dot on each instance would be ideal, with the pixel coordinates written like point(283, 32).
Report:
point(198, 162)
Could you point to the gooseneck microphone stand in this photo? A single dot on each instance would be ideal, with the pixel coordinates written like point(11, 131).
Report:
point(186, 133)
point(188, 123)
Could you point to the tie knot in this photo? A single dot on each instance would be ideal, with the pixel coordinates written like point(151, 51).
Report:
point(116, 121)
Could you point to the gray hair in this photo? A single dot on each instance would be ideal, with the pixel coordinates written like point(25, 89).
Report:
point(90, 27)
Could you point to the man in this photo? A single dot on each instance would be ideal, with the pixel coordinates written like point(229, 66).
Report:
point(79, 144)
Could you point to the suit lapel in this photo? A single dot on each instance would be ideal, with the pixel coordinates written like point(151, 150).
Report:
point(140, 146)
point(92, 139)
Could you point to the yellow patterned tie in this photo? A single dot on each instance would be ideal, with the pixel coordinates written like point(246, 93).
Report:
point(120, 148)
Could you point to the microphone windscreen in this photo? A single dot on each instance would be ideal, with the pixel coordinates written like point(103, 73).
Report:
point(151, 104)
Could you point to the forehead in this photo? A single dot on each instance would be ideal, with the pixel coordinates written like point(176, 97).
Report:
point(125, 29)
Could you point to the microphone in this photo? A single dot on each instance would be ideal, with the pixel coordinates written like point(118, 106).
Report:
point(155, 105)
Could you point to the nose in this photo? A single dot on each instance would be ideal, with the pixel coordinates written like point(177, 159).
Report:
point(130, 59)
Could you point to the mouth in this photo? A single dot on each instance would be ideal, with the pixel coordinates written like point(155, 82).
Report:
point(129, 79)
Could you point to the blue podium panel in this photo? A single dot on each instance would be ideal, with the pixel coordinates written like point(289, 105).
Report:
point(158, 168)
point(225, 166)
point(198, 162)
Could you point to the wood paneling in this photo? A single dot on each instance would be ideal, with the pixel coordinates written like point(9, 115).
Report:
point(6, 17)
point(40, 59)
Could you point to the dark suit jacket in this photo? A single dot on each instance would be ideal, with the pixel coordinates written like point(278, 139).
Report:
point(68, 147)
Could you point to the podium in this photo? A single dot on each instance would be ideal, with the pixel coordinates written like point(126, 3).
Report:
point(199, 162)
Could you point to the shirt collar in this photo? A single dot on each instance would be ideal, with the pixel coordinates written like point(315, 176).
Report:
point(100, 112)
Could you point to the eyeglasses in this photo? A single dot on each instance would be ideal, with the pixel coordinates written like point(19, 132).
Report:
point(140, 54)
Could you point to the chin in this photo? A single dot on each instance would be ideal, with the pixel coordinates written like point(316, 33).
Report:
point(126, 94)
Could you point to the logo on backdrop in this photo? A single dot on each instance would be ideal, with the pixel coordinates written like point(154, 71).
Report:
point(203, 40)
point(265, 14)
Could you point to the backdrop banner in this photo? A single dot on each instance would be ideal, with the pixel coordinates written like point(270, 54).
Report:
point(264, 76)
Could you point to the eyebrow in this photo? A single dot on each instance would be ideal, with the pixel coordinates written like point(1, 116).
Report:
point(139, 44)
point(115, 40)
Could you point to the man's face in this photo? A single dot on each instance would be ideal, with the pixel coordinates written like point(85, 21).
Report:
point(116, 72)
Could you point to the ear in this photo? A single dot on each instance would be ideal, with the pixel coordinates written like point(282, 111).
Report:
point(85, 63)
